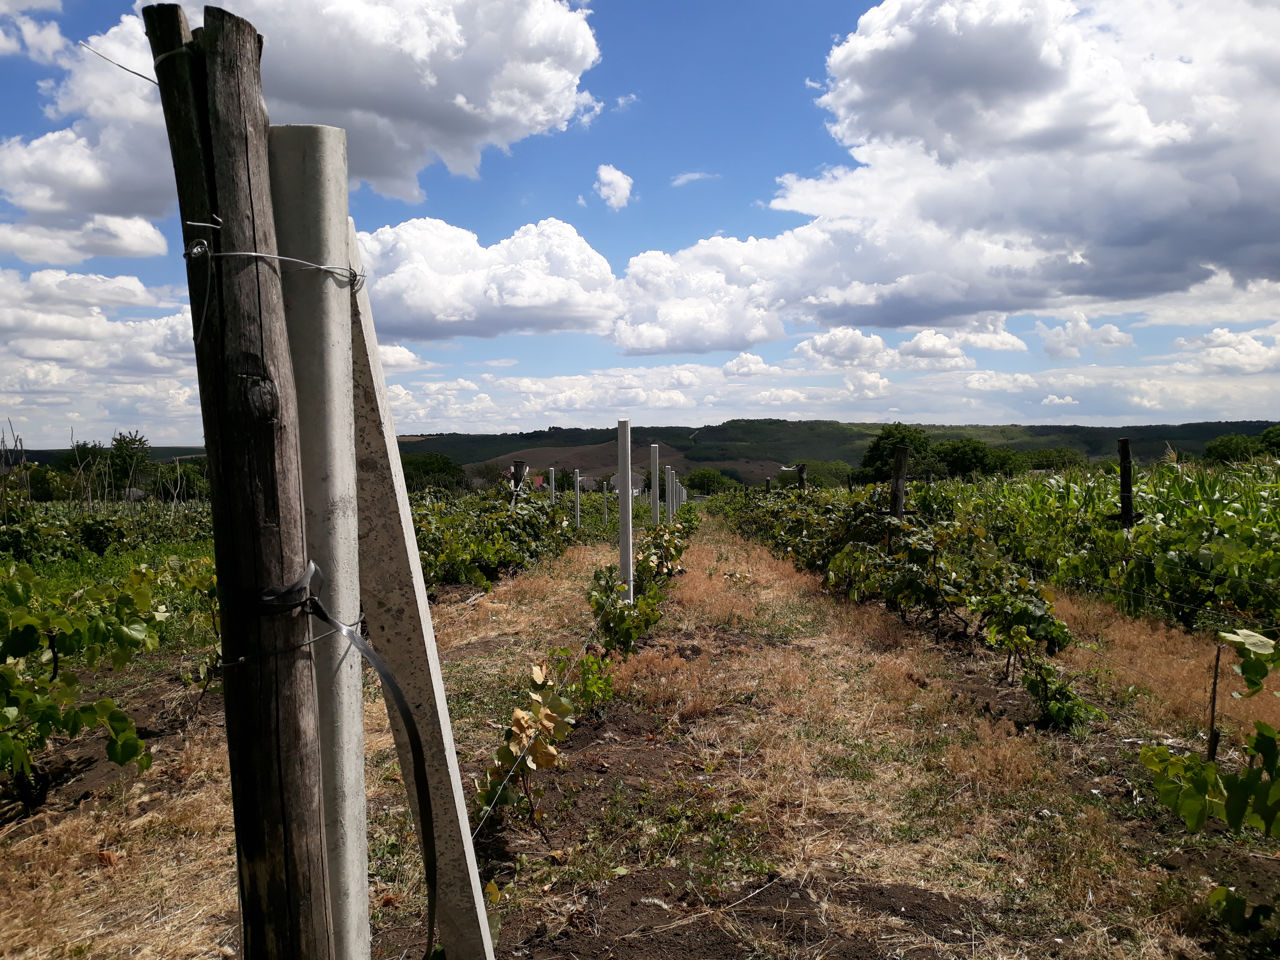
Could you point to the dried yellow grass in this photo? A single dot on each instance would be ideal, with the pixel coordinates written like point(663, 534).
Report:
point(149, 872)
point(1171, 669)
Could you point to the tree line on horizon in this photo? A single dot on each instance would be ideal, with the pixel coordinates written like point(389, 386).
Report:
point(127, 469)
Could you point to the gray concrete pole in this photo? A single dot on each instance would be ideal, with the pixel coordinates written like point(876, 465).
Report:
point(654, 486)
point(551, 472)
point(577, 499)
point(399, 623)
point(309, 194)
point(625, 559)
point(671, 492)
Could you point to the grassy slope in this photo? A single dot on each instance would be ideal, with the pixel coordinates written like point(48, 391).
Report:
point(786, 441)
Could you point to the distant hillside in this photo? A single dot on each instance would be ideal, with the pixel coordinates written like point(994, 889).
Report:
point(751, 444)
point(755, 448)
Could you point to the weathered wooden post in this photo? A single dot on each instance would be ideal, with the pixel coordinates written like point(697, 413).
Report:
point(551, 472)
point(898, 492)
point(654, 485)
point(577, 500)
point(309, 196)
point(1126, 484)
point(399, 623)
point(211, 94)
point(625, 559)
point(768, 485)
point(1126, 516)
point(802, 476)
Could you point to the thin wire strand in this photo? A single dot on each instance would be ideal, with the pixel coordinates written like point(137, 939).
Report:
point(120, 65)
point(241, 661)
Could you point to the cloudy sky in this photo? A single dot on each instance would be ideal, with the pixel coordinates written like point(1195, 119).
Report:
point(945, 211)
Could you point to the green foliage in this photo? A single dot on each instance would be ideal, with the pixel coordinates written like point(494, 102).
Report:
point(478, 538)
point(586, 681)
point(1270, 440)
point(1207, 552)
point(706, 481)
point(879, 456)
point(1233, 448)
point(181, 480)
point(1257, 656)
point(46, 633)
point(528, 746)
point(947, 570)
point(621, 624)
point(424, 471)
point(130, 460)
point(1061, 706)
point(1198, 791)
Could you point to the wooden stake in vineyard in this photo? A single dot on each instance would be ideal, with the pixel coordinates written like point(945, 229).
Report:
point(211, 92)
point(295, 901)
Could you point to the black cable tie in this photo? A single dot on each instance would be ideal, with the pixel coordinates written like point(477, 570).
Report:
point(296, 596)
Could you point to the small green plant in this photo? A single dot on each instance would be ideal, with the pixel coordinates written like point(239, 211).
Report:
point(43, 635)
point(620, 623)
point(528, 746)
point(1197, 791)
point(587, 681)
point(1060, 706)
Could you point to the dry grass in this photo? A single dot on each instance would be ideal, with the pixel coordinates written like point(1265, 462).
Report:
point(148, 871)
point(854, 759)
point(1167, 671)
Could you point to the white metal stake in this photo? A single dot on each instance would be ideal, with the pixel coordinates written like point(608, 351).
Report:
point(399, 623)
point(309, 194)
point(624, 508)
point(551, 472)
point(653, 484)
point(577, 499)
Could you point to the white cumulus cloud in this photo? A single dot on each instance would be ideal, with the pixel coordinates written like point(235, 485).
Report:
point(430, 280)
point(612, 186)
point(1076, 335)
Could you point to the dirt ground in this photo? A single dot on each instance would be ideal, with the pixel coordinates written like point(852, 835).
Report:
point(778, 775)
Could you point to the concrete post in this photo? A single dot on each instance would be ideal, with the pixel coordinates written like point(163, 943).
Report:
point(654, 486)
point(625, 559)
point(604, 493)
point(309, 195)
point(551, 472)
point(577, 500)
point(671, 494)
point(399, 622)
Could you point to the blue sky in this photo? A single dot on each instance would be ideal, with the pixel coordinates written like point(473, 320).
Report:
point(992, 212)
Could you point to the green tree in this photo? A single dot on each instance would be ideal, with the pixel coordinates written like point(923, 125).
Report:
point(1270, 440)
point(878, 459)
point(965, 457)
point(130, 460)
point(182, 480)
point(1233, 448)
point(424, 470)
point(706, 480)
point(1054, 458)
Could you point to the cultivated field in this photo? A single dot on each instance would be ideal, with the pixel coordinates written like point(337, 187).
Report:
point(778, 772)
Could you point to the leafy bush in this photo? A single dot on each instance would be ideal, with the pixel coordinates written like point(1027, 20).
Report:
point(44, 635)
